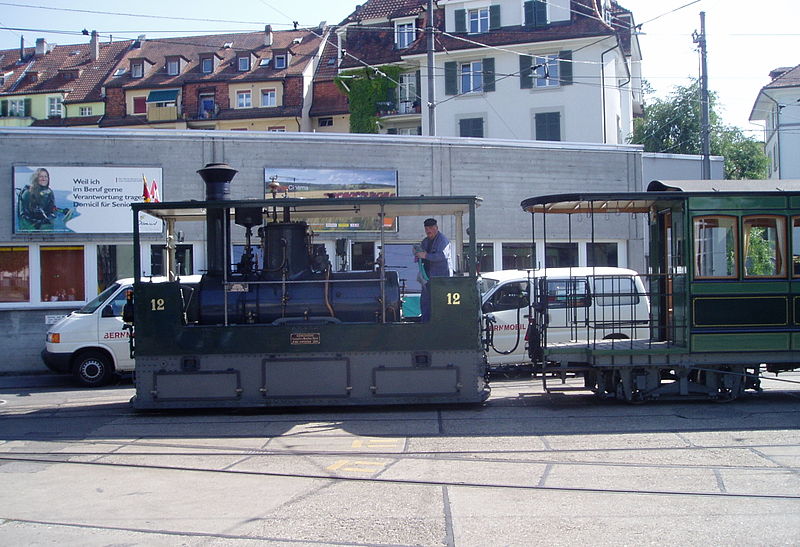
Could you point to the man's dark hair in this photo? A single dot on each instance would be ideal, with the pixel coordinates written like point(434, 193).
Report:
point(430, 222)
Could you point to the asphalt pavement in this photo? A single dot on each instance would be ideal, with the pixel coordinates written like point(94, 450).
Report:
point(80, 467)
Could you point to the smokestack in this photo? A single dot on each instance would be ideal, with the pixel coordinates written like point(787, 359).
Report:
point(268, 35)
point(21, 48)
point(217, 177)
point(41, 47)
point(94, 46)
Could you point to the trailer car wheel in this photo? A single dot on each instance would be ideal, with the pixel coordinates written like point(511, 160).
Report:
point(93, 368)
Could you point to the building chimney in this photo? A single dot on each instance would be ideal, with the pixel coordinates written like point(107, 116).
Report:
point(268, 35)
point(21, 48)
point(41, 47)
point(94, 46)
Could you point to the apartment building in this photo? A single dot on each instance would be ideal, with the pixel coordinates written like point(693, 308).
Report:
point(557, 70)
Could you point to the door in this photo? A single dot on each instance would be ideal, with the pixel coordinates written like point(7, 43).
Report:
point(509, 305)
point(110, 331)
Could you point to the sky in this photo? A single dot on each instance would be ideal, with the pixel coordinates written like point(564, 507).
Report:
point(745, 39)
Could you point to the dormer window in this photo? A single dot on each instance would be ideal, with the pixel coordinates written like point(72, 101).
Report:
point(207, 65)
point(137, 70)
point(280, 61)
point(173, 67)
point(404, 35)
point(243, 63)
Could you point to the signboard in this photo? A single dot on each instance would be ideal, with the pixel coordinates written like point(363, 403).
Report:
point(333, 183)
point(83, 199)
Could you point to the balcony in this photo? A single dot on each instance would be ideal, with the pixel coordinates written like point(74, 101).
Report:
point(398, 108)
point(161, 113)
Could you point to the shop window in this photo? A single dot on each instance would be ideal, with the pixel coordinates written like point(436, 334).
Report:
point(113, 262)
point(715, 246)
point(602, 254)
point(518, 256)
point(14, 274)
point(561, 255)
point(764, 246)
point(183, 256)
point(485, 262)
point(62, 273)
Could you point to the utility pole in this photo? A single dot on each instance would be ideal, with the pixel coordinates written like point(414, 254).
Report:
point(705, 128)
point(431, 87)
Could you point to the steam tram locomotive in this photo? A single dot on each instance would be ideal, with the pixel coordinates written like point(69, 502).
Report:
point(724, 291)
point(291, 331)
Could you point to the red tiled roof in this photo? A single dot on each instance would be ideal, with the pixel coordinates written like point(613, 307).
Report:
point(52, 68)
point(379, 9)
point(789, 78)
point(192, 47)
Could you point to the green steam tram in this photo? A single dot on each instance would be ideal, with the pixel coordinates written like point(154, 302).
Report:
point(723, 284)
point(281, 328)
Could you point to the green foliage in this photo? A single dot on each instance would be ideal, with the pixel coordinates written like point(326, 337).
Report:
point(365, 88)
point(760, 253)
point(673, 126)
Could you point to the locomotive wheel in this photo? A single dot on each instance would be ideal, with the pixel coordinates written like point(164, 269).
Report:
point(92, 368)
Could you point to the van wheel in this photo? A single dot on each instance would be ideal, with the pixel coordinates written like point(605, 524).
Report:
point(93, 368)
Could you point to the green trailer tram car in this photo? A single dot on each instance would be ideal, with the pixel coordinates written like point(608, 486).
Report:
point(724, 290)
point(286, 330)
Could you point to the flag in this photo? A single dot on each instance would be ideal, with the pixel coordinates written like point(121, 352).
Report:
point(145, 191)
point(154, 192)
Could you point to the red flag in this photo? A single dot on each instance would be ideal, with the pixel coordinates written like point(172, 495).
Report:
point(154, 192)
point(145, 191)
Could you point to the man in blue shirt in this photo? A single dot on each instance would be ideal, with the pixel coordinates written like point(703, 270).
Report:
point(435, 252)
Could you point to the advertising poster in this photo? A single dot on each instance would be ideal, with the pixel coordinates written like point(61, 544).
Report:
point(324, 183)
point(84, 199)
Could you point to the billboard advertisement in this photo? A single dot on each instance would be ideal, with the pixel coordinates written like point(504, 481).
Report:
point(83, 199)
point(333, 183)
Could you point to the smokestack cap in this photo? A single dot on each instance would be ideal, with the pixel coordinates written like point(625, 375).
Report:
point(218, 177)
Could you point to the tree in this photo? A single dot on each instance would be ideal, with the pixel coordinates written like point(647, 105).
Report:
point(365, 89)
point(672, 126)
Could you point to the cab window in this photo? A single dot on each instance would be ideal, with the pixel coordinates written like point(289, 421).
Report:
point(510, 296)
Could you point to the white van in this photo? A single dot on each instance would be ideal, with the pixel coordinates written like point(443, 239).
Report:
point(587, 303)
point(90, 343)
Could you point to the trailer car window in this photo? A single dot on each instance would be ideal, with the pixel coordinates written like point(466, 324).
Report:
point(764, 246)
point(715, 247)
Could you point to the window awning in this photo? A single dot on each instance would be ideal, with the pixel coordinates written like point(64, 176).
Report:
point(162, 96)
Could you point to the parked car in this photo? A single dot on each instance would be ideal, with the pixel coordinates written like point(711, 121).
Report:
point(586, 303)
point(91, 343)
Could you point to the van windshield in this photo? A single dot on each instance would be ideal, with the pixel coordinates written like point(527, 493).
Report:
point(487, 284)
point(98, 300)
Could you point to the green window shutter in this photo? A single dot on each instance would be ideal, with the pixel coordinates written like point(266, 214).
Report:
point(539, 13)
point(528, 11)
point(470, 127)
point(488, 74)
point(418, 89)
point(4, 108)
point(451, 78)
point(565, 67)
point(494, 17)
point(525, 72)
point(461, 20)
point(27, 104)
point(548, 126)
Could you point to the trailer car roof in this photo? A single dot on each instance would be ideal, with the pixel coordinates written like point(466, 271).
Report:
point(320, 207)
